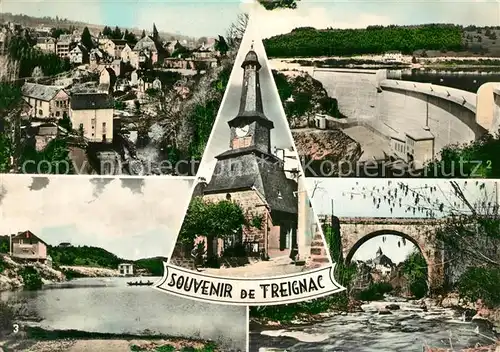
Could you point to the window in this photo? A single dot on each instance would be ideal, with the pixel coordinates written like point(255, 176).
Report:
point(228, 196)
point(40, 112)
point(103, 124)
point(104, 138)
point(58, 113)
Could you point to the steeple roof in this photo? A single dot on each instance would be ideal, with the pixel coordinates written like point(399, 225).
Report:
point(251, 96)
point(251, 59)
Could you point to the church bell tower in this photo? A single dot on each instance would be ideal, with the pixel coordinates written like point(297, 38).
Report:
point(251, 129)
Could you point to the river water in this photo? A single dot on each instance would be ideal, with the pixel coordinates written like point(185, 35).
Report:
point(408, 329)
point(109, 305)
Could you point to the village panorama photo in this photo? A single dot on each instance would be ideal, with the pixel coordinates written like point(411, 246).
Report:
point(79, 257)
point(250, 214)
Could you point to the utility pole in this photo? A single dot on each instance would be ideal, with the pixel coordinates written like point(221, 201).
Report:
point(333, 237)
point(497, 197)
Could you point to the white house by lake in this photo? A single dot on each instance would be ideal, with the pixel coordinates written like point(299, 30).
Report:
point(126, 269)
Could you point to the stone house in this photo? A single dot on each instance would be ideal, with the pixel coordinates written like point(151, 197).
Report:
point(126, 269)
point(126, 54)
point(79, 55)
point(144, 83)
point(120, 44)
point(46, 101)
point(92, 113)
point(4, 41)
point(63, 46)
point(44, 132)
point(134, 78)
point(113, 47)
point(381, 263)
point(27, 246)
point(46, 44)
point(107, 80)
point(96, 56)
point(117, 66)
point(149, 50)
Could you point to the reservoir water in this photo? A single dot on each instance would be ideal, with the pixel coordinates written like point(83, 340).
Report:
point(466, 79)
point(109, 305)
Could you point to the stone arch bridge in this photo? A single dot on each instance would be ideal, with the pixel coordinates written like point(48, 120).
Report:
point(421, 232)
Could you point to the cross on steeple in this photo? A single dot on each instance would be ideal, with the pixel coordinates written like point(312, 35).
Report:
point(251, 46)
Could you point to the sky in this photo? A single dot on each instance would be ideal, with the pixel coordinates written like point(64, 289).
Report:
point(131, 217)
point(324, 190)
point(210, 18)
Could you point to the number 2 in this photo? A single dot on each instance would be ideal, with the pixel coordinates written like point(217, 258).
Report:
point(488, 164)
point(15, 329)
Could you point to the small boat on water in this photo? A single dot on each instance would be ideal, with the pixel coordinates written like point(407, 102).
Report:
point(140, 283)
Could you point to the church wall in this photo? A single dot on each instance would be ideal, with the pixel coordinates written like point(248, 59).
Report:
point(261, 137)
point(251, 203)
point(274, 240)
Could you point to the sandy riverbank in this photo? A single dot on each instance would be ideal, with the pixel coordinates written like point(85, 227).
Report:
point(40, 340)
point(91, 272)
point(108, 345)
point(11, 273)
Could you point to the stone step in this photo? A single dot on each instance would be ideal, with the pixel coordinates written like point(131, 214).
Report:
point(317, 243)
point(320, 260)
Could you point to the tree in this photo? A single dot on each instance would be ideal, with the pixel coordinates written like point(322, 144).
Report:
point(37, 72)
point(156, 35)
point(53, 159)
point(10, 108)
point(213, 220)
point(86, 39)
point(415, 270)
point(311, 42)
point(143, 35)
point(117, 33)
point(468, 228)
point(236, 31)
point(476, 159)
point(221, 45)
point(278, 4)
point(107, 31)
point(130, 37)
point(65, 122)
point(201, 40)
point(57, 32)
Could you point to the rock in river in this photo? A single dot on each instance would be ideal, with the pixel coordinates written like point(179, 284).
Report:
point(384, 312)
point(392, 307)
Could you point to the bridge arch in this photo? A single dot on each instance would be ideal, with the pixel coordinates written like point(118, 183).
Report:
point(377, 233)
point(420, 232)
point(389, 232)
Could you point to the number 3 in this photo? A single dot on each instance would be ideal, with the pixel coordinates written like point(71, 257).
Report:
point(15, 328)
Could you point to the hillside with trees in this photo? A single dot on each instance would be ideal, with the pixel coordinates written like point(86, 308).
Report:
point(67, 25)
point(100, 258)
point(311, 42)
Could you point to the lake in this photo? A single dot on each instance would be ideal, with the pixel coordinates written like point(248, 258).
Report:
point(469, 79)
point(108, 305)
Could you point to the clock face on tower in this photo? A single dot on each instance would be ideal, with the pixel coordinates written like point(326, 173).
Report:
point(242, 131)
